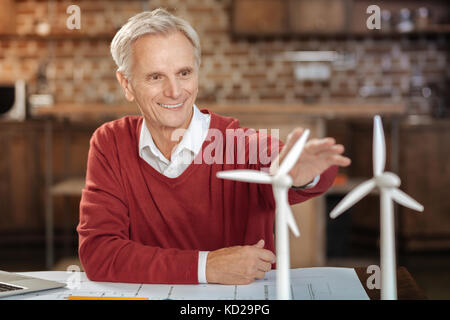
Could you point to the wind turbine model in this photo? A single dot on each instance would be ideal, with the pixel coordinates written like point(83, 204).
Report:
point(281, 182)
point(388, 183)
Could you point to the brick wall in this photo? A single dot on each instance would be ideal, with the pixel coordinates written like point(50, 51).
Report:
point(79, 67)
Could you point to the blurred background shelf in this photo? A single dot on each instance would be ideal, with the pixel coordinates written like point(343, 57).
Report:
point(343, 19)
point(327, 110)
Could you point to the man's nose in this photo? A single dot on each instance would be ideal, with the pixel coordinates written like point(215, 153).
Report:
point(172, 88)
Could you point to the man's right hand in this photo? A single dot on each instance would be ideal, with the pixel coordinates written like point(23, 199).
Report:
point(239, 264)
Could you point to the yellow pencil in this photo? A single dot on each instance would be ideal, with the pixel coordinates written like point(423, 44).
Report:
point(103, 298)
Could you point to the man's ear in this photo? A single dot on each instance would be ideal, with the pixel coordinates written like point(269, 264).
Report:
point(125, 84)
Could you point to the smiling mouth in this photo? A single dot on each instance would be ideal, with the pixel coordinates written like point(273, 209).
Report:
point(171, 106)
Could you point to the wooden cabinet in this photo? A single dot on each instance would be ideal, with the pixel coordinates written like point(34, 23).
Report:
point(260, 16)
point(425, 172)
point(318, 16)
point(23, 172)
point(294, 18)
point(285, 17)
point(21, 195)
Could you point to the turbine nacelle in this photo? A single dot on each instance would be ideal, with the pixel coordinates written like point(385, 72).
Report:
point(387, 180)
point(282, 180)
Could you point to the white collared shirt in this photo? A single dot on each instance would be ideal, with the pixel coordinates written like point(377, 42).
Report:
point(184, 152)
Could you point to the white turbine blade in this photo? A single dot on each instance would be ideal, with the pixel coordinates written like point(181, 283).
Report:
point(293, 154)
point(378, 147)
point(291, 221)
point(245, 175)
point(405, 200)
point(352, 197)
point(282, 204)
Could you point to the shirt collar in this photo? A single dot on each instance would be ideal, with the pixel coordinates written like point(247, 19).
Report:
point(192, 139)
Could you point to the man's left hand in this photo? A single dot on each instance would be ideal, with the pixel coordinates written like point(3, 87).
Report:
point(317, 156)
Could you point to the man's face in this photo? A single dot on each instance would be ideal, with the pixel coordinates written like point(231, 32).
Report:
point(164, 80)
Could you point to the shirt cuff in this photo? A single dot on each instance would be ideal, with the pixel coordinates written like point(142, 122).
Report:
point(310, 185)
point(202, 257)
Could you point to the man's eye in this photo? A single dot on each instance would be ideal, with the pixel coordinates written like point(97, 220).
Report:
point(185, 73)
point(153, 77)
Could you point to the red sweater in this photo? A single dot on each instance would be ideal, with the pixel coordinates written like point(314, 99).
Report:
point(137, 225)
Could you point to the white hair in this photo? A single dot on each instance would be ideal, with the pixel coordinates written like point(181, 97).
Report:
point(158, 21)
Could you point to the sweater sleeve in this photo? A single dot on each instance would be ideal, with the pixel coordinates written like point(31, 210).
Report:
point(105, 249)
point(325, 182)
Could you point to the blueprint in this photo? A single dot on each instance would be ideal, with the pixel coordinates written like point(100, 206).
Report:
point(324, 283)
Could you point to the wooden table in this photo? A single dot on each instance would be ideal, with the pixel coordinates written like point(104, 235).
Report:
point(407, 288)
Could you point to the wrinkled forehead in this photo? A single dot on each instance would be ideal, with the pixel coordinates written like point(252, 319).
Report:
point(168, 50)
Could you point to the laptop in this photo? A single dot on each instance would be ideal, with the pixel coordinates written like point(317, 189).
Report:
point(12, 284)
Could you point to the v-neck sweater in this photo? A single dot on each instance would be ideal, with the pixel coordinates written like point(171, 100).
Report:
point(139, 226)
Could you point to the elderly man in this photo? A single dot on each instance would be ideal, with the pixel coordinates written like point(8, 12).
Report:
point(152, 211)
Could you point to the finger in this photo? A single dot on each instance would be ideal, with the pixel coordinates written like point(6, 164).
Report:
point(330, 151)
point(291, 140)
point(318, 145)
point(242, 281)
point(266, 255)
point(342, 161)
point(260, 244)
point(260, 275)
point(339, 160)
point(294, 135)
point(264, 266)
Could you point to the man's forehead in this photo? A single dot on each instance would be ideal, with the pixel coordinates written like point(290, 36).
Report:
point(161, 39)
point(163, 47)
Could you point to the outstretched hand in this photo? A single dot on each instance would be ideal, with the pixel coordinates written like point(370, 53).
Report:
point(317, 156)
